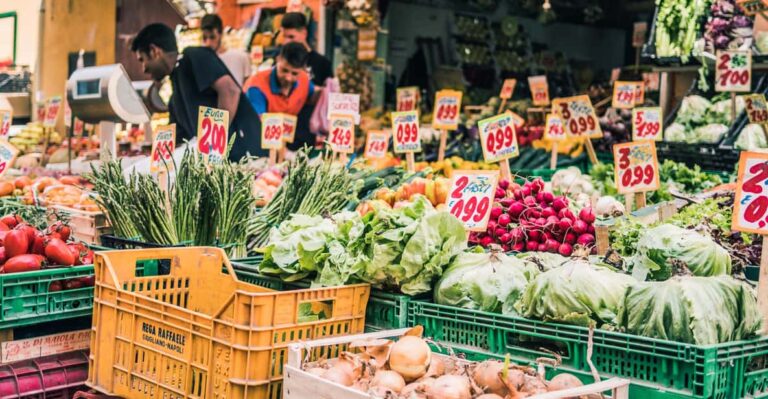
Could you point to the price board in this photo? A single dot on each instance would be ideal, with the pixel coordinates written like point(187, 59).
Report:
point(498, 138)
point(163, 146)
point(554, 129)
point(578, 116)
point(647, 124)
point(447, 110)
point(341, 134)
point(471, 197)
point(79, 127)
point(271, 131)
point(8, 154)
point(651, 81)
point(750, 212)
point(52, 107)
point(624, 95)
point(289, 128)
point(257, 55)
point(637, 168)
point(507, 89)
point(376, 144)
point(639, 93)
point(212, 131)
point(41, 111)
point(757, 110)
point(406, 132)
point(639, 29)
point(346, 104)
point(407, 98)
point(615, 74)
point(752, 7)
point(733, 71)
point(539, 90)
point(6, 117)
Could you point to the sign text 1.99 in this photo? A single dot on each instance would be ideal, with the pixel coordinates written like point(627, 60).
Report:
point(471, 197)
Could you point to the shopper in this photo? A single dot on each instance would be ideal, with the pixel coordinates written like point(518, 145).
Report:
point(237, 61)
point(198, 77)
point(295, 30)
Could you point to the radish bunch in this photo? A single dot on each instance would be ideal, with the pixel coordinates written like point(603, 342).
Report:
point(527, 218)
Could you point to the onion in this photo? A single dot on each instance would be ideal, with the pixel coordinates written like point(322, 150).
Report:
point(351, 364)
point(489, 396)
point(388, 380)
point(486, 375)
point(533, 385)
point(410, 356)
point(338, 375)
point(436, 368)
point(563, 381)
point(450, 387)
point(376, 349)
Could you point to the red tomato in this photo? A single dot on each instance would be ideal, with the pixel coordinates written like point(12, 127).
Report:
point(29, 230)
point(38, 244)
point(23, 263)
point(16, 243)
point(73, 284)
point(11, 220)
point(55, 286)
point(58, 253)
point(61, 229)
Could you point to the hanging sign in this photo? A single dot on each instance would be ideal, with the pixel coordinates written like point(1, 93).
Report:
point(407, 98)
point(471, 197)
point(406, 132)
point(272, 131)
point(750, 212)
point(342, 134)
point(639, 30)
point(507, 89)
point(376, 144)
point(539, 90)
point(733, 71)
point(637, 168)
point(647, 124)
point(163, 146)
point(212, 129)
point(52, 107)
point(639, 93)
point(498, 138)
point(578, 116)
point(79, 127)
point(446, 111)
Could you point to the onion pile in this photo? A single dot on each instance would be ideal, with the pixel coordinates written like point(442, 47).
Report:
point(410, 371)
point(527, 218)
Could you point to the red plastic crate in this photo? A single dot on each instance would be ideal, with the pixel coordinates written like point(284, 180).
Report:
point(52, 377)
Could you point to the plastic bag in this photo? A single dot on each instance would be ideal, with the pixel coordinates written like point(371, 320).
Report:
point(318, 123)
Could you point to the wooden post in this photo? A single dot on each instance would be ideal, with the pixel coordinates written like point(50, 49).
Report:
point(553, 160)
point(502, 105)
point(443, 143)
point(640, 200)
point(628, 201)
point(506, 174)
point(602, 239)
point(343, 158)
point(281, 154)
point(733, 107)
point(762, 285)
point(410, 162)
point(591, 151)
point(666, 210)
point(272, 157)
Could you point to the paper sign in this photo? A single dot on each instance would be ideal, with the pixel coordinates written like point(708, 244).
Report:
point(757, 110)
point(639, 93)
point(8, 154)
point(498, 138)
point(446, 113)
point(647, 124)
point(33, 348)
point(517, 120)
point(289, 128)
point(637, 168)
point(750, 212)
point(407, 98)
point(272, 131)
point(79, 127)
point(639, 30)
point(615, 74)
point(578, 116)
point(651, 81)
point(67, 114)
point(554, 129)
point(376, 144)
point(6, 117)
point(163, 146)
point(41, 111)
point(539, 89)
point(212, 130)
point(471, 197)
point(406, 128)
point(507, 89)
point(257, 55)
point(733, 71)
point(341, 134)
point(52, 108)
point(344, 104)
point(752, 7)
point(624, 95)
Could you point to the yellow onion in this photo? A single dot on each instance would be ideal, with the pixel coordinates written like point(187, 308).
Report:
point(563, 381)
point(489, 396)
point(388, 380)
point(338, 375)
point(436, 367)
point(410, 356)
point(450, 387)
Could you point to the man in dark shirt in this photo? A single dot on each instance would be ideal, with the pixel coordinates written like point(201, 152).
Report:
point(294, 26)
point(198, 77)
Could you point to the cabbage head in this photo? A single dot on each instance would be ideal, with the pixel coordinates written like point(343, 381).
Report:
point(695, 310)
point(711, 133)
point(693, 109)
point(675, 133)
point(578, 293)
point(490, 282)
point(752, 137)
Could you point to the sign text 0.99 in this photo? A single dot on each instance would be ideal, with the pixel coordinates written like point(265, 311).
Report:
point(637, 168)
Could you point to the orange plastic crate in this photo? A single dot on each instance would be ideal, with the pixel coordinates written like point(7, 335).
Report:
point(198, 332)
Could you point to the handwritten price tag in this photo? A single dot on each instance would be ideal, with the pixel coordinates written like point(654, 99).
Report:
point(41, 111)
point(8, 154)
point(637, 168)
point(554, 129)
point(407, 98)
point(507, 89)
point(733, 71)
point(539, 90)
point(578, 116)
point(6, 117)
point(289, 128)
point(272, 131)
point(446, 112)
point(162, 148)
point(342, 134)
point(647, 124)
point(639, 93)
point(212, 130)
point(750, 213)
point(376, 144)
point(406, 127)
point(757, 110)
point(52, 108)
point(471, 197)
point(344, 104)
point(498, 138)
point(624, 95)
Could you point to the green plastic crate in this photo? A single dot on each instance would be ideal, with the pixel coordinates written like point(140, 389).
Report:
point(658, 368)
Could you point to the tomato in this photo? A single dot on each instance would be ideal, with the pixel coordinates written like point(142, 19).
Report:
point(11, 220)
point(69, 180)
point(88, 281)
point(4, 227)
point(58, 253)
point(73, 284)
point(78, 250)
point(38, 244)
point(29, 230)
point(55, 286)
point(87, 259)
point(61, 229)
point(3, 258)
point(16, 243)
point(23, 263)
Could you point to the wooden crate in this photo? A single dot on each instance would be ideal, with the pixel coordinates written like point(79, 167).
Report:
point(86, 226)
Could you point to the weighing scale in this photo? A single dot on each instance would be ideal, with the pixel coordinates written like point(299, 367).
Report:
point(105, 95)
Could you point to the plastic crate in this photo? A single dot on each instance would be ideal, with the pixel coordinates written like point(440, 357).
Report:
point(51, 377)
point(658, 368)
point(115, 242)
point(26, 298)
point(199, 332)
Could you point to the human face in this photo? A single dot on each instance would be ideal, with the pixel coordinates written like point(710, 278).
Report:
point(152, 62)
point(212, 39)
point(287, 74)
point(295, 36)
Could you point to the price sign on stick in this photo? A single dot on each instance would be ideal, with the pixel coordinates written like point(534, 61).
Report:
point(8, 154)
point(578, 116)
point(447, 109)
point(539, 90)
point(623, 95)
point(507, 89)
point(407, 98)
point(52, 108)
point(637, 168)
point(757, 110)
point(639, 93)
point(6, 116)
point(554, 131)
point(406, 131)
point(79, 127)
point(647, 124)
point(471, 197)
point(346, 104)
point(163, 146)
point(289, 128)
point(342, 134)
point(750, 212)
point(212, 130)
point(498, 138)
point(733, 71)
point(271, 131)
point(376, 144)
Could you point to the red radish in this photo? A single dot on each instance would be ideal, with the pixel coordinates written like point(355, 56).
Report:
point(516, 235)
point(533, 214)
point(491, 226)
point(565, 249)
point(38, 244)
point(540, 197)
point(579, 227)
point(504, 184)
point(55, 286)
point(587, 215)
point(500, 231)
point(518, 193)
point(547, 212)
point(552, 245)
point(542, 248)
point(586, 240)
point(58, 253)
point(23, 263)
point(506, 202)
point(545, 236)
point(591, 229)
point(541, 222)
point(559, 203)
point(548, 197)
point(526, 190)
point(518, 246)
point(504, 220)
point(11, 220)
point(505, 238)
point(486, 241)
point(529, 201)
point(565, 224)
point(500, 192)
point(516, 209)
point(553, 221)
point(565, 213)
point(570, 238)
point(496, 212)
point(534, 235)
point(537, 185)
point(16, 243)
point(532, 246)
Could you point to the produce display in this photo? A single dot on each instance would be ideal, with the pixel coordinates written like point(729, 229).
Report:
point(700, 120)
point(678, 26)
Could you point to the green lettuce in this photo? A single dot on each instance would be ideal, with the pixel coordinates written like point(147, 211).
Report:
point(543, 261)
point(294, 246)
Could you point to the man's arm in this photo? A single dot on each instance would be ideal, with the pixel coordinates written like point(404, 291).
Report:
point(228, 94)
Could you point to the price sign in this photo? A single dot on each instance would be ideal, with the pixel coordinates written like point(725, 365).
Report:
point(212, 130)
point(471, 197)
point(757, 110)
point(6, 116)
point(294, 6)
point(554, 129)
point(344, 104)
point(41, 111)
point(446, 112)
point(289, 128)
point(539, 89)
point(406, 127)
point(498, 138)
point(651, 81)
point(376, 144)
point(578, 116)
point(8, 154)
point(163, 146)
point(733, 71)
point(52, 108)
point(407, 98)
point(271, 131)
point(257, 55)
point(647, 124)
point(752, 7)
point(623, 95)
point(750, 213)
point(507, 89)
point(342, 134)
point(79, 127)
point(639, 30)
point(67, 114)
point(639, 93)
point(637, 168)
point(615, 74)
